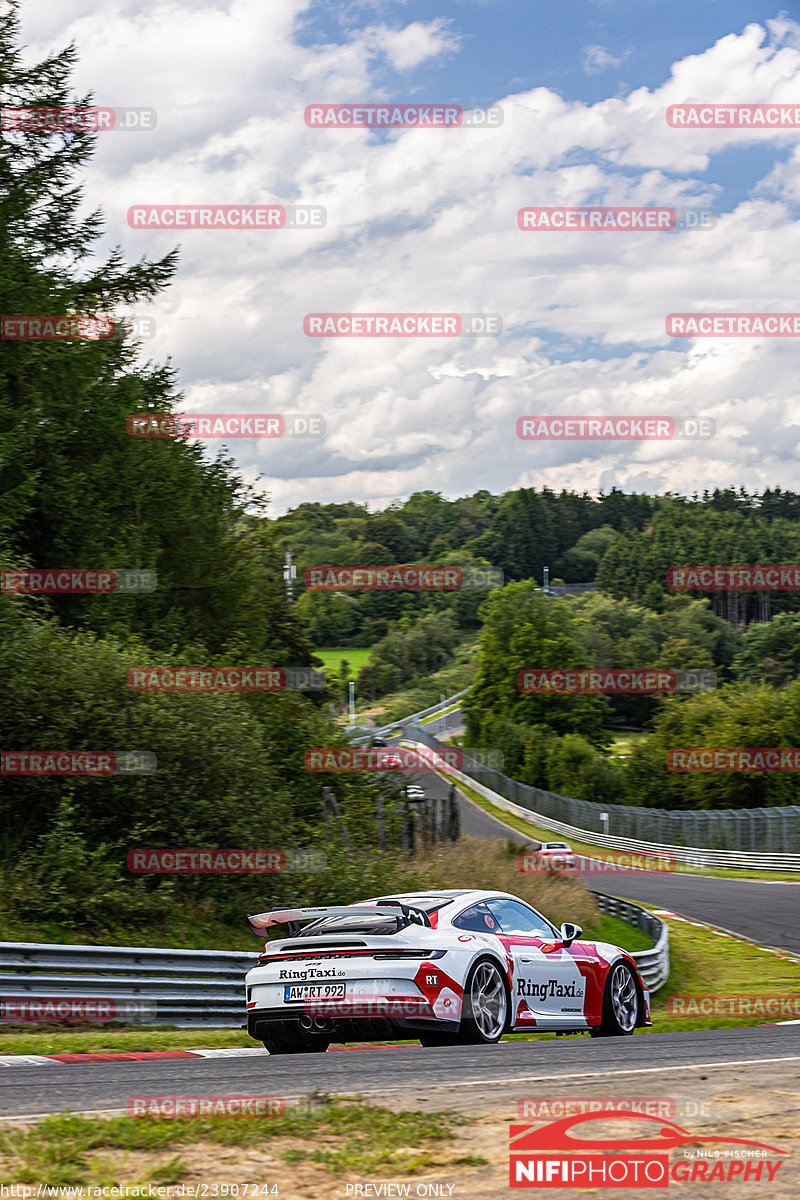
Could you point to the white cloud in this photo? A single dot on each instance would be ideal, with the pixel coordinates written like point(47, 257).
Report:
point(413, 45)
point(596, 59)
point(426, 221)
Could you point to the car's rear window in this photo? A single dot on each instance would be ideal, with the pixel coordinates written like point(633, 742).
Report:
point(371, 924)
point(354, 924)
point(428, 904)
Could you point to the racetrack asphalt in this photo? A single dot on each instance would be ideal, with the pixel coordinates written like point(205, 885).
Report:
point(108, 1086)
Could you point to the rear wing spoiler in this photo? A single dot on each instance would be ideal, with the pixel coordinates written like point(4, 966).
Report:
point(404, 914)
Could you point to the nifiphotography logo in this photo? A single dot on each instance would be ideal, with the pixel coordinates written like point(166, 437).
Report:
point(553, 1155)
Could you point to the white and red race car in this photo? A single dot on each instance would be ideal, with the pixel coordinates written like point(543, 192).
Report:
point(442, 966)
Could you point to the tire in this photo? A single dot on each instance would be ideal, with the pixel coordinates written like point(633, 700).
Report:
point(487, 1005)
point(621, 1004)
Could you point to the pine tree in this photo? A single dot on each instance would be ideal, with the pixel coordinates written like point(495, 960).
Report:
point(76, 491)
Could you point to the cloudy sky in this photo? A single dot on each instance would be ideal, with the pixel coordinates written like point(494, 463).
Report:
point(426, 221)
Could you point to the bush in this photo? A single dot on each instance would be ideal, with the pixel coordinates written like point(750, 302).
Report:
point(411, 650)
point(575, 768)
point(61, 879)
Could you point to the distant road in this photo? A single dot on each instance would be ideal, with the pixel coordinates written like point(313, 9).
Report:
point(764, 911)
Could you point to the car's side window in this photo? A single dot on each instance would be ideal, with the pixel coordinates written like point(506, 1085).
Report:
point(514, 917)
point(477, 919)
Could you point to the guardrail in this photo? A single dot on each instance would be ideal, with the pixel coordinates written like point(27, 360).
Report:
point(695, 856)
point(569, 589)
point(425, 712)
point(653, 964)
point(187, 988)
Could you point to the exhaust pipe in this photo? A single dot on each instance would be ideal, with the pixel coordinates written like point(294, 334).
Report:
point(315, 1024)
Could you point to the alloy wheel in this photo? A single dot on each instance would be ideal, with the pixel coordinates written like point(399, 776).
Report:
point(488, 1001)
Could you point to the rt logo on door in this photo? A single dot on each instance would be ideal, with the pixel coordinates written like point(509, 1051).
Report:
point(431, 980)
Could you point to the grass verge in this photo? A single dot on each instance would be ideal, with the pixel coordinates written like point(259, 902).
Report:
point(703, 962)
point(339, 1136)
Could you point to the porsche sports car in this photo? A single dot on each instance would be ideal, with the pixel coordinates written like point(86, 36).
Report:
point(558, 855)
point(443, 966)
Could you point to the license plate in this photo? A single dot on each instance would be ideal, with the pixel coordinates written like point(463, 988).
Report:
point(312, 991)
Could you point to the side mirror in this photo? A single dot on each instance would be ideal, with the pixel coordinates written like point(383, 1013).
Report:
point(569, 933)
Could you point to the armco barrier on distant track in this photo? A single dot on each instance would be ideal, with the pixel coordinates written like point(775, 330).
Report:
point(653, 964)
point(381, 731)
point(761, 836)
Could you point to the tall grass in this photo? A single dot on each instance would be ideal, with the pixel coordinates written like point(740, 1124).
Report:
point(479, 863)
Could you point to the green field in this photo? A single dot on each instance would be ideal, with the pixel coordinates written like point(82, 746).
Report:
point(357, 656)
